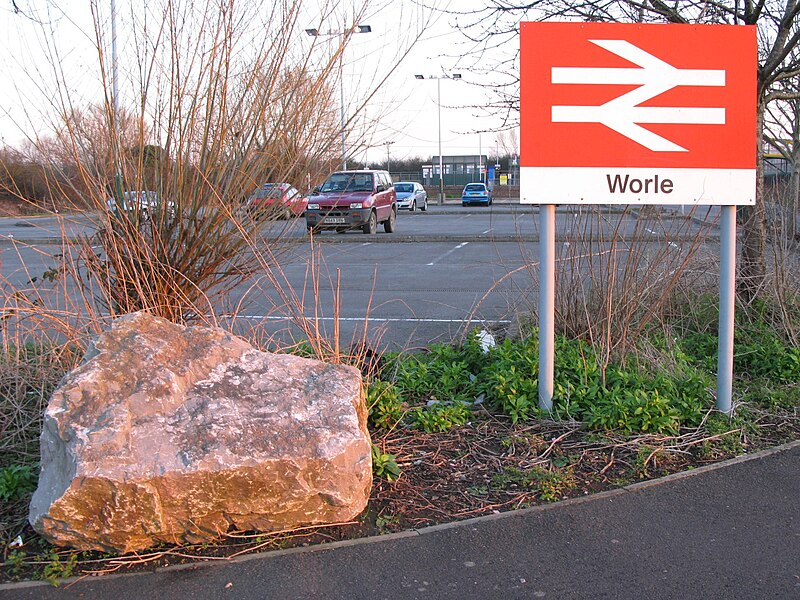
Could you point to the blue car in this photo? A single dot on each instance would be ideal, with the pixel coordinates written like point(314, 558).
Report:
point(476, 193)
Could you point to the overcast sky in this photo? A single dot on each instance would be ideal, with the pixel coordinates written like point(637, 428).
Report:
point(403, 112)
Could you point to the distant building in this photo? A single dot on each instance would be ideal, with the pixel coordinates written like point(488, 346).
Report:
point(458, 170)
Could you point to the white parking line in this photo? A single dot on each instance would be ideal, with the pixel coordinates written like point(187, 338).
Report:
point(446, 254)
point(361, 319)
point(672, 244)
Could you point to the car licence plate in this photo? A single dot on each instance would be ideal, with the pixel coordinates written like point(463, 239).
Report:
point(334, 220)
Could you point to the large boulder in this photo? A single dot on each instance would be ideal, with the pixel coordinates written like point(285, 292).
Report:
point(179, 434)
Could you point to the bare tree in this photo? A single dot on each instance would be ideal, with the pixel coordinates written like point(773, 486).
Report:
point(492, 44)
point(508, 142)
point(783, 136)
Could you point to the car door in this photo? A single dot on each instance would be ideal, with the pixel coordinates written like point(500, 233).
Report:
point(384, 193)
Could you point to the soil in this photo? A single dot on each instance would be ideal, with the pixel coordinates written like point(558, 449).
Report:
point(9, 207)
point(485, 467)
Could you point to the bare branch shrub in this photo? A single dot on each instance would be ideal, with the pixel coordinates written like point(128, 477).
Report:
point(222, 107)
point(784, 263)
point(611, 287)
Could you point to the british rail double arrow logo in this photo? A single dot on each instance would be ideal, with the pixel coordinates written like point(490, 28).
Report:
point(624, 114)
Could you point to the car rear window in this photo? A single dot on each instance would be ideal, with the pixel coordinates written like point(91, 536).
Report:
point(474, 187)
point(267, 192)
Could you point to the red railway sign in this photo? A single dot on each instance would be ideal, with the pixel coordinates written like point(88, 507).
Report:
point(621, 113)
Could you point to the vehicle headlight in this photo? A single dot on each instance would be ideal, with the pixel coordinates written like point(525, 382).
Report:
point(356, 205)
point(313, 206)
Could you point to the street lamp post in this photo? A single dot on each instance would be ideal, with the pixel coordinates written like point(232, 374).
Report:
point(115, 105)
point(438, 79)
point(388, 164)
point(357, 29)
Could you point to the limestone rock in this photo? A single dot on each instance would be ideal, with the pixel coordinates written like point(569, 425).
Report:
point(177, 434)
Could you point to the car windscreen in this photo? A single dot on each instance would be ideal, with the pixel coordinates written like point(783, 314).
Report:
point(403, 187)
point(348, 182)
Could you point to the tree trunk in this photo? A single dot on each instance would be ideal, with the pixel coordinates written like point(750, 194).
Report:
point(794, 187)
point(753, 263)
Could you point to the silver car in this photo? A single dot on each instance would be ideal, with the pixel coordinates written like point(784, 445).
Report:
point(142, 202)
point(411, 195)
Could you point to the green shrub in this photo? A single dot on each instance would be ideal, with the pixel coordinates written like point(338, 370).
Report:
point(56, 569)
point(764, 355)
point(511, 378)
point(16, 481)
point(384, 464)
point(551, 485)
point(438, 417)
point(385, 406)
point(759, 353)
point(634, 410)
point(624, 399)
point(446, 373)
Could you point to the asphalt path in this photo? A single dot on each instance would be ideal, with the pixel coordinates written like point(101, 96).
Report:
point(444, 272)
point(719, 533)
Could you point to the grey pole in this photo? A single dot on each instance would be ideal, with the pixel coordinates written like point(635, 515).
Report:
point(341, 100)
point(439, 113)
point(727, 305)
point(441, 171)
point(547, 288)
point(114, 84)
point(115, 104)
point(344, 36)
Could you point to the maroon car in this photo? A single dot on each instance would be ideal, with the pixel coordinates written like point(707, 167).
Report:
point(353, 200)
point(280, 200)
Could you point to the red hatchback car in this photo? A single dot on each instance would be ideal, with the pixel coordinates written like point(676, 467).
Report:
point(353, 200)
point(281, 200)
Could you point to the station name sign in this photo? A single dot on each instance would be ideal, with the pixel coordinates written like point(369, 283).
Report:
point(624, 113)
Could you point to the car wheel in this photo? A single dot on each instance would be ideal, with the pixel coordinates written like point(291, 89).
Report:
point(371, 226)
point(463, 204)
point(390, 223)
point(341, 230)
point(287, 214)
point(144, 215)
point(424, 206)
point(413, 206)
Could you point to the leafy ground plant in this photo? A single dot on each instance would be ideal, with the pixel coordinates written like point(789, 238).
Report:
point(384, 464)
point(620, 397)
point(17, 481)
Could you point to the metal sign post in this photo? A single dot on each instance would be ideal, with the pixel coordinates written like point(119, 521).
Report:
point(727, 305)
point(547, 302)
